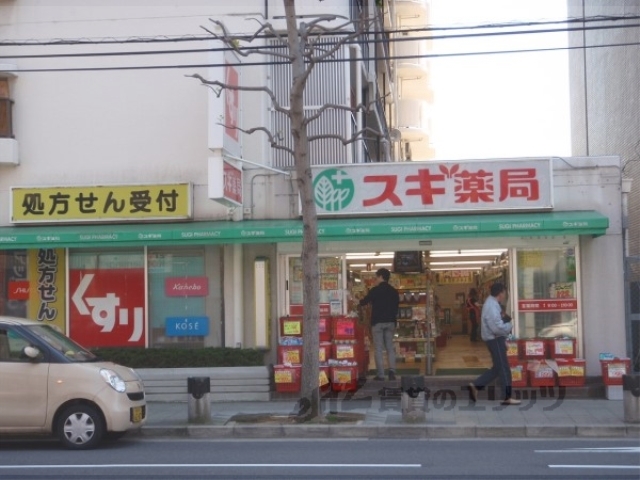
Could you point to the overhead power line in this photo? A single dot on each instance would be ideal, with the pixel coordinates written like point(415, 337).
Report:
point(197, 38)
point(266, 48)
point(336, 60)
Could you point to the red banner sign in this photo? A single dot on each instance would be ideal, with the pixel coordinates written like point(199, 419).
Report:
point(107, 307)
point(325, 309)
point(186, 286)
point(548, 305)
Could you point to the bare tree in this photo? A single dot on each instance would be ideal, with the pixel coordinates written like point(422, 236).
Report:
point(303, 54)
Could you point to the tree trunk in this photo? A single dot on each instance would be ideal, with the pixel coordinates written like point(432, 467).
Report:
point(309, 404)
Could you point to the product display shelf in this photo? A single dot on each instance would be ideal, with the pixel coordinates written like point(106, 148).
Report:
point(414, 339)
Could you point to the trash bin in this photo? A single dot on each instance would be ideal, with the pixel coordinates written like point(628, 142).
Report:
point(412, 399)
point(631, 398)
point(199, 403)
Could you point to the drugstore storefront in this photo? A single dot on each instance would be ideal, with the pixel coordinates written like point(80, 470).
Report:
point(212, 283)
point(163, 284)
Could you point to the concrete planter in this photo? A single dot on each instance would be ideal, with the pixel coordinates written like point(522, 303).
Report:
point(228, 384)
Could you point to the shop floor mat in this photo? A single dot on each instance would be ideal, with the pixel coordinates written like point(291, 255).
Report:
point(441, 372)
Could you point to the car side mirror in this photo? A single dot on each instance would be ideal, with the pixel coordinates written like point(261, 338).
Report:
point(31, 352)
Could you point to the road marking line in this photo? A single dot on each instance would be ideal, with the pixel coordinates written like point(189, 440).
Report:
point(231, 465)
point(594, 450)
point(610, 467)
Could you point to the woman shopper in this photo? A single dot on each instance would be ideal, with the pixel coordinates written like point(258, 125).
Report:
point(494, 330)
point(473, 309)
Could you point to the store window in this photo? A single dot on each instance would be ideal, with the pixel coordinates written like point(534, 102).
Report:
point(547, 293)
point(178, 288)
point(14, 283)
point(6, 105)
point(107, 298)
point(331, 287)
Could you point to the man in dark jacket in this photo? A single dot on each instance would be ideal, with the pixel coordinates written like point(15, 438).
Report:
point(384, 300)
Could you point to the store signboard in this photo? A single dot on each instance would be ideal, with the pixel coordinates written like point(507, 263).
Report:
point(107, 307)
point(548, 305)
point(186, 286)
point(187, 326)
point(418, 187)
point(47, 289)
point(101, 203)
point(224, 182)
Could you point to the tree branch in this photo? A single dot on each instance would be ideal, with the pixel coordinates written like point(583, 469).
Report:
point(233, 41)
point(345, 141)
point(225, 86)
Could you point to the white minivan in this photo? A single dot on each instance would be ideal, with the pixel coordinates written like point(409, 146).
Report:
point(50, 384)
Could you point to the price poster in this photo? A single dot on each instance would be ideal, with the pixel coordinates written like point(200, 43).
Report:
point(342, 376)
point(564, 371)
point(292, 327)
point(323, 378)
point(535, 349)
point(512, 349)
point(283, 376)
point(344, 351)
point(564, 347)
point(516, 374)
point(617, 370)
point(292, 356)
point(577, 370)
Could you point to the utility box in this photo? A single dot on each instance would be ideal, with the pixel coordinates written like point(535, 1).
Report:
point(199, 402)
point(631, 398)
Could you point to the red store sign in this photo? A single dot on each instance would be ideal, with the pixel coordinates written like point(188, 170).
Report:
point(417, 187)
point(107, 307)
point(548, 305)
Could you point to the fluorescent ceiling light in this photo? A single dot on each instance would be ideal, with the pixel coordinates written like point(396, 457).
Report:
point(466, 253)
point(382, 255)
point(442, 269)
point(463, 262)
point(373, 264)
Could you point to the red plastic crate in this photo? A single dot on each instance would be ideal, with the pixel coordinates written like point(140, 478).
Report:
point(290, 354)
point(532, 349)
point(571, 372)
point(287, 379)
point(513, 354)
point(613, 370)
point(541, 375)
point(346, 351)
point(344, 378)
point(290, 326)
point(323, 379)
point(324, 328)
point(343, 328)
point(561, 347)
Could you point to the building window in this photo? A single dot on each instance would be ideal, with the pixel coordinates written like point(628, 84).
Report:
point(6, 104)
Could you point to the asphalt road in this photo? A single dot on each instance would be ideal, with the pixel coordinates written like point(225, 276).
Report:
point(140, 458)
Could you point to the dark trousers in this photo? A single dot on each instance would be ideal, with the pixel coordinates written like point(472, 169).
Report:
point(498, 349)
point(474, 331)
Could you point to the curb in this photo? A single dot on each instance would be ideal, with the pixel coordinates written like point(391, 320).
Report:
point(424, 431)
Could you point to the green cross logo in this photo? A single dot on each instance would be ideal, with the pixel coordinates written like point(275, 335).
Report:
point(333, 190)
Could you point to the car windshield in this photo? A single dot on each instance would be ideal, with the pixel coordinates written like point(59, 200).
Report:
point(62, 343)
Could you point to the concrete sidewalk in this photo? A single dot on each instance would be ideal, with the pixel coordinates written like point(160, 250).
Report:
point(447, 416)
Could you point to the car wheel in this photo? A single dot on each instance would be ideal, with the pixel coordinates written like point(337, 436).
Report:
point(80, 427)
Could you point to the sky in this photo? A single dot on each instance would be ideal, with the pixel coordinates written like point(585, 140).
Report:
point(501, 105)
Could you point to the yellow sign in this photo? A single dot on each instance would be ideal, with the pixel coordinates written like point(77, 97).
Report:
point(283, 376)
point(47, 286)
point(292, 327)
point(292, 356)
point(101, 203)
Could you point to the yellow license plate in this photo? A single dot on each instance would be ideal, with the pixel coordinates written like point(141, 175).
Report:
point(136, 414)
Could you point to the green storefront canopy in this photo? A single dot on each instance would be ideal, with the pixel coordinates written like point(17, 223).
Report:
point(270, 231)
